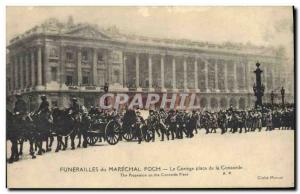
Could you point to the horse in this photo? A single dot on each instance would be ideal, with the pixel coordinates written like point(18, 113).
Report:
point(20, 128)
point(43, 123)
point(85, 125)
point(64, 125)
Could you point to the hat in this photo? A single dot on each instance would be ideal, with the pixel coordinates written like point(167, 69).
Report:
point(18, 95)
point(74, 99)
point(43, 96)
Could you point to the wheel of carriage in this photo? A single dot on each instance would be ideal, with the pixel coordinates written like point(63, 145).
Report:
point(112, 132)
point(127, 133)
point(147, 133)
point(92, 139)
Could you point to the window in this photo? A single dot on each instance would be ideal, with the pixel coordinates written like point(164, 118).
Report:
point(86, 78)
point(53, 52)
point(54, 73)
point(116, 77)
point(69, 80)
point(69, 56)
point(84, 55)
point(100, 56)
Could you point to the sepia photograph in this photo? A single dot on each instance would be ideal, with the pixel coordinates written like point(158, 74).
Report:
point(150, 97)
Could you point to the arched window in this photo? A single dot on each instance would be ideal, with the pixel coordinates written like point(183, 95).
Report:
point(223, 103)
point(214, 103)
point(233, 102)
point(242, 103)
point(203, 102)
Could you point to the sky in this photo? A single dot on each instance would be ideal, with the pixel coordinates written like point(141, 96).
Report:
point(266, 26)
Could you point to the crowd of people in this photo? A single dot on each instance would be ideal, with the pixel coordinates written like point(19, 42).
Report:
point(166, 124)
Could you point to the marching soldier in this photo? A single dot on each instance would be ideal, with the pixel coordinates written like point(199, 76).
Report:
point(137, 126)
point(171, 120)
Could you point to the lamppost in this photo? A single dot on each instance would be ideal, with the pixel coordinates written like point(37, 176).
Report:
point(272, 98)
point(258, 87)
point(106, 86)
point(282, 95)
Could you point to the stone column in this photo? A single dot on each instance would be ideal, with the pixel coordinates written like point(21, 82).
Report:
point(137, 71)
point(150, 71)
point(245, 77)
point(247, 80)
point(206, 75)
point(47, 70)
point(216, 76)
point(27, 65)
point(124, 70)
point(196, 73)
point(79, 69)
point(39, 66)
point(184, 73)
point(94, 67)
point(225, 77)
point(15, 72)
point(11, 73)
point(250, 76)
point(235, 77)
point(32, 68)
point(174, 72)
point(21, 65)
point(162, 72)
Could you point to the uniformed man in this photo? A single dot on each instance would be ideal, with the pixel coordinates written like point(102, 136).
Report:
point(137, 126)
point(74, 110)
point(171, 120)
point(44, 106)
point(43, 110)
point(20, 107)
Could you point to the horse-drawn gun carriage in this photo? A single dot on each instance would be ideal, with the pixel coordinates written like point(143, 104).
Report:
point(112, 129)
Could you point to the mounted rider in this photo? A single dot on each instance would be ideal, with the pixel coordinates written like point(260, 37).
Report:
point(20, 108)
point(44, 110)
point(75, 110)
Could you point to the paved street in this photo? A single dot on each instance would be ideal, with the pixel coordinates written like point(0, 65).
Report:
point(258, 154)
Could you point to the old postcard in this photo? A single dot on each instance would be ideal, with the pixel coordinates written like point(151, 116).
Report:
point(150, 97)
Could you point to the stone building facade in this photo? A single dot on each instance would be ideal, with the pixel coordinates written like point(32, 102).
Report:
point(63, 60)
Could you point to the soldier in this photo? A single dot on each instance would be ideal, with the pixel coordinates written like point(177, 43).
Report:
point(75, 110)
point(20, 107)
point(171, 120)
point(137, 126)
point(269, 121)
point(43, 109)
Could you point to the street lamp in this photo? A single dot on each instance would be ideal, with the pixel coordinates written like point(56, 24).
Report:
point(258, 87)
point(282, 95)
point(106, 87)
point(272, 97)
